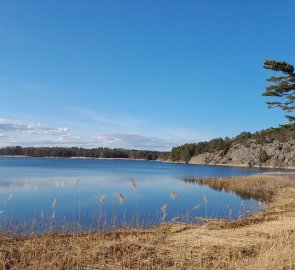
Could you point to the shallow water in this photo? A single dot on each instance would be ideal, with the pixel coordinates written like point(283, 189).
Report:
point(29, 187)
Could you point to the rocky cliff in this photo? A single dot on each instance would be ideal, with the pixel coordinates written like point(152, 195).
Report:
point(252, 154)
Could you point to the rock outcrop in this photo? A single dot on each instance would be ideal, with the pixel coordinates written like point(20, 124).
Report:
point(252, 154)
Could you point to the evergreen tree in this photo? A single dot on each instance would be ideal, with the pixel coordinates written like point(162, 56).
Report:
point(283, 87)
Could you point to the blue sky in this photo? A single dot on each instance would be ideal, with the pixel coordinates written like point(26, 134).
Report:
point(138, 74)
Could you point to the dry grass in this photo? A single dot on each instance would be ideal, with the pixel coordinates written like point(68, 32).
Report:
point(260, 187)
point(264, 241)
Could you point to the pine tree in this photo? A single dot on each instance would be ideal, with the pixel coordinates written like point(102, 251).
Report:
point(283, 87)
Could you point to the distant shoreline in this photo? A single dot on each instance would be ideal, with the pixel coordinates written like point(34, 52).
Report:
point(21, 156)
point(156, 160)
point(226, 165)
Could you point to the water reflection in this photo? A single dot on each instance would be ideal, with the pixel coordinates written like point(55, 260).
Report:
point(222, 186)
point(30, 185)
point(100, 192)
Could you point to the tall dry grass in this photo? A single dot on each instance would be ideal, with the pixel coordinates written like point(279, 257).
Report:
point(259, 187)
point(267, 242)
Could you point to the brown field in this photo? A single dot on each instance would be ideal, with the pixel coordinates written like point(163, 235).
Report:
point(265, 240)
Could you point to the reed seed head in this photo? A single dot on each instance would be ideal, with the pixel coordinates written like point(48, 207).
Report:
point(173, 195)
point(120, 197)
point(196, 207)
point(53, 205)
point(164, 211)
point(101, 198)
point(133, 184)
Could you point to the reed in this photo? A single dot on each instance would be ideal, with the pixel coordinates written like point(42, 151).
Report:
point(173, 195)
point(133, 184)
point(120, 197)
point(265, 240)
point(260, 187)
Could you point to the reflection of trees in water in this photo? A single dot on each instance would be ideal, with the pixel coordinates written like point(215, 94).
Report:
point(204, 182)
point(259, 187)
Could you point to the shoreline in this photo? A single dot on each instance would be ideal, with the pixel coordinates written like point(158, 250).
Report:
point(227, 165)
point(20, 156)
point(245, 166)
point(157, 160)
point(264, 240)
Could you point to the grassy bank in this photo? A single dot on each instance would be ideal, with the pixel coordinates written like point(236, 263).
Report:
point(263, 241)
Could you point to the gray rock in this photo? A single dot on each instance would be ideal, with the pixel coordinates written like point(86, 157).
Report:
point(273, 154)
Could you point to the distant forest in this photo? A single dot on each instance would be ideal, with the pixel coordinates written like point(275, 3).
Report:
point(65, 152)
point(179, 153)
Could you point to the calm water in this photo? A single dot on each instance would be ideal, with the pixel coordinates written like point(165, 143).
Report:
point(29, 186)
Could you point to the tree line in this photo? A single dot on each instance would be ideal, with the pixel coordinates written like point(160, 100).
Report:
point(66, 152)
point(187, 151)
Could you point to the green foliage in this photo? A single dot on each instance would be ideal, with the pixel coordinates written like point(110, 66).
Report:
point(82, 152)
point(183, 153)
point(263, 157)
point(282, 134)
point(283, 87)
point(243, 137)
point(187, 151)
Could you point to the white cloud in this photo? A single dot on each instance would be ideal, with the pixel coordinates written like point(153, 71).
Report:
point(15, 132)
point(133, 141)
point(7, 125)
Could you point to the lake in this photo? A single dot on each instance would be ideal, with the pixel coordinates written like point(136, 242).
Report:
point(99, 193)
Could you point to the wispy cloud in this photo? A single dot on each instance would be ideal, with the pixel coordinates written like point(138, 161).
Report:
point(111, 140)
point(16, 132)
point(136, 141)
point(7, 125)
point(117, 120)
point(3, 135)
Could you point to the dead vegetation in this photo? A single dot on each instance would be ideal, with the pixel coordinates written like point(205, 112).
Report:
point(259, 187)
point(263, 241)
